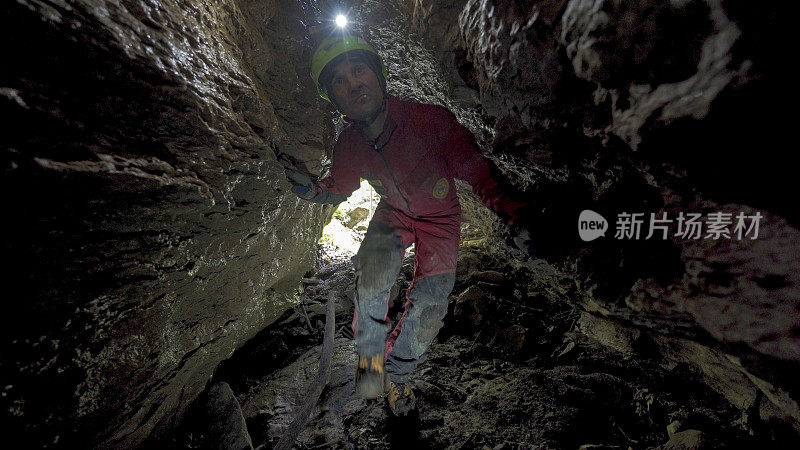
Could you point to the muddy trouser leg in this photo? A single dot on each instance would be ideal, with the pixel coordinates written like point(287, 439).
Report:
point(377, 265)
point(425, 310)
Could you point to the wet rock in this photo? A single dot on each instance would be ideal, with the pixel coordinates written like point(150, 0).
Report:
point(356, 215)
point(227, 427)
point(639, 84)
point(510, 339)
point(612, 42)
point(472, 306)
point(275, 400)
point(329, 270)
point(490, 276)
point(155, 231)
point(673, 427)
point(509, 46)
point(467, 380)
point(617, 336)
point(685, 440)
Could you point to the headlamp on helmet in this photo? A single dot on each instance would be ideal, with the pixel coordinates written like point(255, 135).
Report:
point(332, 47)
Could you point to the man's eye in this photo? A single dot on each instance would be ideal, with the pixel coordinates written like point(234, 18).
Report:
point(337, 81)
point(358, 69)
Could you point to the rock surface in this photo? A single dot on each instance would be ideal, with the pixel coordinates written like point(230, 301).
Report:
point(153, 231)
point(227, 429)
point(561, 389)
point(636, 107)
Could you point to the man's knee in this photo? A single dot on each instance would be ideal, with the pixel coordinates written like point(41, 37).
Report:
point(433, 290)
point(378, 260)
point(431, 320)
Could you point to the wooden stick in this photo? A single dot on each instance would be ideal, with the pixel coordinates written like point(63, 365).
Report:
point(323, 375)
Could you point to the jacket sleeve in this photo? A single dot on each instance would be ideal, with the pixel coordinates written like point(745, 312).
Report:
point(466, 163)
point(343, 179)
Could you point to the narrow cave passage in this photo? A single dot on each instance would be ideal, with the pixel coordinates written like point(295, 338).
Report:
point(168, 283)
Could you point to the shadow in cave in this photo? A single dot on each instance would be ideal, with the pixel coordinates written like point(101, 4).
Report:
point(403, 432)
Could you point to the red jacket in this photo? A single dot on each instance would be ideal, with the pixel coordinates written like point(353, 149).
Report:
point(412, 166)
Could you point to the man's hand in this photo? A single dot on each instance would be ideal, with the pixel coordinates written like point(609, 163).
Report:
point(301, 182)
point(522, 239)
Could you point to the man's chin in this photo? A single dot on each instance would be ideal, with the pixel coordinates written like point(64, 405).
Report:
point(365, 113)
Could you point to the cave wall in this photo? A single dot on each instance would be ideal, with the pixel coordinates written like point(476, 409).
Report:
point(152, 232)
point(150, 229)
point(631, 106)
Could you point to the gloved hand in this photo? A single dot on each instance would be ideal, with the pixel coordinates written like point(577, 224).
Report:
point(521, 237)
point(302, 185)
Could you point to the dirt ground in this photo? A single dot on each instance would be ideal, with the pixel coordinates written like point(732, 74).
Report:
point(510, 369)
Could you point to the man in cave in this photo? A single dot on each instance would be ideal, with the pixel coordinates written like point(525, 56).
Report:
point(410, 153)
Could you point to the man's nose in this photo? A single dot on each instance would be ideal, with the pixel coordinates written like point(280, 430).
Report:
point(355, 84)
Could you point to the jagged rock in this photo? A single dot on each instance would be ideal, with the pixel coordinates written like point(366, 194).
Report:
point(685, 440)
point(516, 63)
point(227, 427)
point(356, 215)
point(616, 336)
point(598, 447)
point(155, 232)
point(639, 85)
point(277, 398)
point(673, 427)
point(511, 338)
point(466, 380)
point(471, 306)
point(490, 276)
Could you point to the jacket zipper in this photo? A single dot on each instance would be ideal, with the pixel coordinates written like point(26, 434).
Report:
point(396, 184)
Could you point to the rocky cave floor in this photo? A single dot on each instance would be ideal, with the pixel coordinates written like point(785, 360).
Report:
point(510, 369)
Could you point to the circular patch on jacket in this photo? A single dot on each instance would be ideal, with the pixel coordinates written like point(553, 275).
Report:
point(441, 188)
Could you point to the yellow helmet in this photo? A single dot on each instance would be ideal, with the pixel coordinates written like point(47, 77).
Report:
point(332, 47)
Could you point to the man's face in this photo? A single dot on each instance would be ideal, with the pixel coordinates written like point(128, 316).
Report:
point(356, 90)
